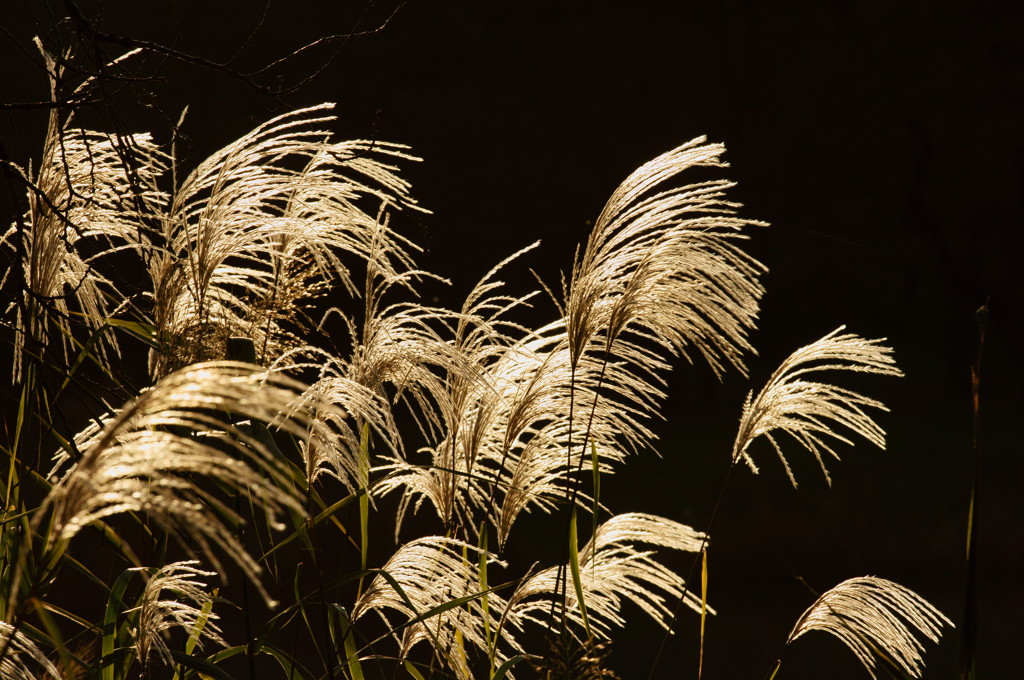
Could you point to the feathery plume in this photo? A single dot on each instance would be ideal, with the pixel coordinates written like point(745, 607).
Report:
point(93, 193)
point(661, 270)
point(665, 265)
point(560, 417)
point(20, 658)
point(248, 236)
point(152, 455)
point(504, 451)
point(353, 406)
point(808, 410)
point(156, 615)
point(430, 573)
point(398, 345)
point(871, 616)
point(470, 400)
point(613, 569)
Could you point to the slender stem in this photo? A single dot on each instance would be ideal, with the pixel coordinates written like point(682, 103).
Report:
point(329, 656)
point(693, 566)
point(560, 580)
point(968, 621)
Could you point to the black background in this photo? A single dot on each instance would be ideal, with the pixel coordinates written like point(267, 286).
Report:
point(883, 141)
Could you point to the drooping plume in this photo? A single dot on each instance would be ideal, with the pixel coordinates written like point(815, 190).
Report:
point(94, 193)
point(664, 264)
point(174, 598)
point(875, 618)
point(265, 224)
point(431, 573)
point(612, 569)
point(808, 410)
point(154, 454)
point(22, 659)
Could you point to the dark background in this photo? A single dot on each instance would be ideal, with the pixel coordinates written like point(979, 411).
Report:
point(884, 141)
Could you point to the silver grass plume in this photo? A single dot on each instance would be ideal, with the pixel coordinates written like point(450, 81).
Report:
point(21, 659)
point(151, 456)
point(472, 404)
point(352, 408)
point(393, 361)
point(398, 350)
point(808, 410)
point(91, 196)
point(158, 613)
point(612, 569)
point(396, 356)
point(476, 405)
point(875, 618)
point(558, 409)
point(554, 417)
point(661, 271)
point(664, 264)
point(400, 353)
point(431, 572)
point(261, 225)
point(504, 451)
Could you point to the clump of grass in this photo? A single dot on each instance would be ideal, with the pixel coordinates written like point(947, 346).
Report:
point(286, 463)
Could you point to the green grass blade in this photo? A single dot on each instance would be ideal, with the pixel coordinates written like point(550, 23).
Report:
point(142, 331)
point(80, 621)
point(115, 605)
point(288, 665)
point(430, 613)
point(300, 602)
point(503, 669)
point(10, 499)
point(412, 670)
point(574, 566)
point(349, 642)
point(482, 582)
point(53, 634)
point(226, 653)
point(85, 352)
point(326, 513)
point(202, 666)
point(197, 630)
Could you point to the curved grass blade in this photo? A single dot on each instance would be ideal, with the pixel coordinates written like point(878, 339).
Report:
point(574, 565)
point(504, 668)
point(326, 513)
point(412, 670)
point(364, 498)
point(482, 582)
point(53, 634)
point(288, 665)
point(197, 630)
point(115, 605)
point(348, 640)
point(202, 666)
